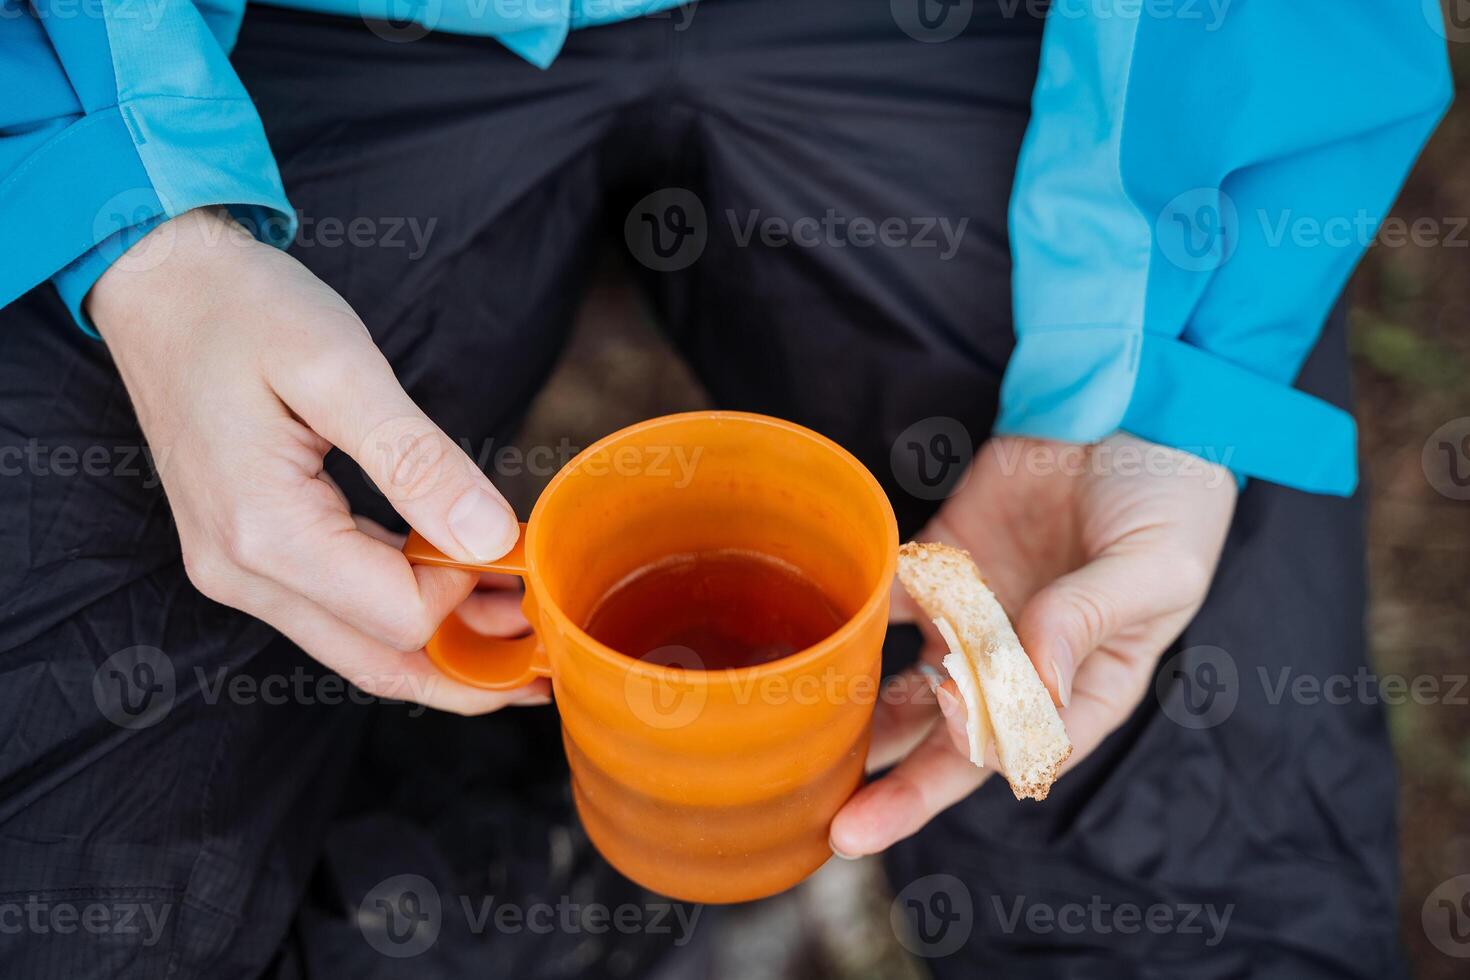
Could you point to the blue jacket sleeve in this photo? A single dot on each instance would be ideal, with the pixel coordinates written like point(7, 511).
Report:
point(117, 115)
point(1191, 197)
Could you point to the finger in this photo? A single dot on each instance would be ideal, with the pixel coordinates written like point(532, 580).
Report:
point(938, 773)
point(449, 586)
point(375, 668)
point(326, 478)
point(494, 613)
point(956, 718)
point(313, 547)
point(375, 530)
point(1078, 612)
point(348, 394)
point(498, 582)
point(491, 609)
point(907, 709)
point(1109, 688)
point(901, 606)
point(934, 777)
point(492, 618)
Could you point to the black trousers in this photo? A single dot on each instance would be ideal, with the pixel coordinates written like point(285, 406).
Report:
point(244, 836)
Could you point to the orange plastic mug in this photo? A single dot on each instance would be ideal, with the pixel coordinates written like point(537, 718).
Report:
point(707, 786)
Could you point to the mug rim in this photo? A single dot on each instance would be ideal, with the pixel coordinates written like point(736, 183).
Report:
point(797, 661)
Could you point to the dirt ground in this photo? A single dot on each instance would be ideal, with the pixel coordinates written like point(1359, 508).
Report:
point(1412, 362)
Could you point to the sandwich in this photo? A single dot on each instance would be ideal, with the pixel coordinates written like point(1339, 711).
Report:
point(1005, 702)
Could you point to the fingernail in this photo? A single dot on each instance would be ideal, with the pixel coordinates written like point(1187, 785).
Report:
point(948, 703)
point(1061, 668)
point(838, 853)
point(482, 525)
point(934, 677)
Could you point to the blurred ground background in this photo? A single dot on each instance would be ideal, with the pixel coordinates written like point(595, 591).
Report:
point(1412, 360)
point(1411, 350)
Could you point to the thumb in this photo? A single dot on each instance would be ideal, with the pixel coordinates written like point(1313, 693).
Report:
point(360, 408)
point(1077, 613)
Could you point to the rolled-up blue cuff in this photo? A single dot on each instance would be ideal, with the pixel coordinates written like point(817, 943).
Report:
point(98, 185)
point(1082, 384)
point(76, 280)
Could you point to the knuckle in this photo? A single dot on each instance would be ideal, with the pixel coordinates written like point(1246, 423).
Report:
point(326, 370)
point(1092, 615)
point(248, 541)
point(1191, 575)
point(409, 633)
point(208, 573)
point(413, 459)
point(421, 466)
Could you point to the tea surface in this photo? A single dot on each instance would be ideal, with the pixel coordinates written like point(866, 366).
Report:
point(727, 608)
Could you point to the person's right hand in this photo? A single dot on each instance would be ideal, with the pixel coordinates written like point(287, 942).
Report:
point(244, 370)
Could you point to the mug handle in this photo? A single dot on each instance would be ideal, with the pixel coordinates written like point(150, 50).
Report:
point(490, 662)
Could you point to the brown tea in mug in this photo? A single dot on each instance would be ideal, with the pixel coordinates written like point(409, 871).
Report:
point(729, 608)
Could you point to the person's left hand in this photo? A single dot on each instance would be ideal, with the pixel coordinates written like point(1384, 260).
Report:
point(1101, 555)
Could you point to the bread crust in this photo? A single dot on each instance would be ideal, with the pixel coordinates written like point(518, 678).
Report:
point(1006, 697)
